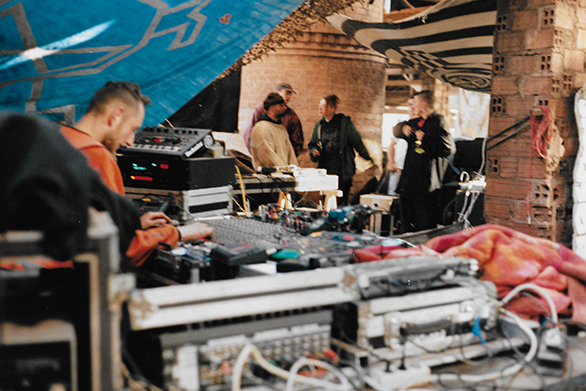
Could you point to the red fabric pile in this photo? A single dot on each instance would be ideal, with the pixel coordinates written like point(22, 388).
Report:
point(510, 258)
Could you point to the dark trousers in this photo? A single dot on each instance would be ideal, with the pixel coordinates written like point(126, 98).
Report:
point(418, 214)
point(345, 186)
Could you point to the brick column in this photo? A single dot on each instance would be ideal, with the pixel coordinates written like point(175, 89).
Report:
point(538, 60)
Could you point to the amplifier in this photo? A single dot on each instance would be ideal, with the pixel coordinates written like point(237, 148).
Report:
point(184, 143)
point(421, 322)
point(159, 171)
point(186, 205)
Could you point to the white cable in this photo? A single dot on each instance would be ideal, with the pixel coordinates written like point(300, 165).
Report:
point(494, 375)
point(541, 291)
point(250, 349)
point(461, 214)
point(239, 366)
point(483, 160)
point(303, 361)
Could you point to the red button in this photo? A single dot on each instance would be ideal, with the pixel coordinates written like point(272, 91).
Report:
point(142, 178)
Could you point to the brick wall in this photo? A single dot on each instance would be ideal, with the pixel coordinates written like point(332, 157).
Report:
point(538, 60)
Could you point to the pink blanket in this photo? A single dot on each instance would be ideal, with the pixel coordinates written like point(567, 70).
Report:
point(509, 258)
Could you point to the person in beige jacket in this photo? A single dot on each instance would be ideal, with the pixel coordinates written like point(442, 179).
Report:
point(269, 140)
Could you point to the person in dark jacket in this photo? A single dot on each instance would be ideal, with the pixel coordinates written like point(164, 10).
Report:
point(429, 147)
point(334, 144)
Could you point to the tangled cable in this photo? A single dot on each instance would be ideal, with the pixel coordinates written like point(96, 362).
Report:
point(542, 134)
point(540, 137)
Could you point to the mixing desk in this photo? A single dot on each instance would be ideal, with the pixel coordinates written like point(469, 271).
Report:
point(331, 246)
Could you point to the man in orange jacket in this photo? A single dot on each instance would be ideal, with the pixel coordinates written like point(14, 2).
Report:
point(114, 114)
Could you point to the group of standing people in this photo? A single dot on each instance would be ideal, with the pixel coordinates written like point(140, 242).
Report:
point(275, 138)
point(418, 156)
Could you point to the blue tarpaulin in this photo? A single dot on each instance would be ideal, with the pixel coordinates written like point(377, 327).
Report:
point(55, 54)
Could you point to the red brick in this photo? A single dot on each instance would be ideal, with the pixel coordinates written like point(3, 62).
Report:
point(508, 167)
point(497, 208)
point(537, 40)
point(564, 127)
point(499, 124)
point(579, 80)
point(502, 85)
point(517, 106)
point(535, 229)
point(525, 20)
point(557, 63)
point(496, 220)
point(507, 188)
point(574, 60)
point(565, 17)
point(538, 169)
point(517, 146)
point(539, 230)
point(537, 213)
point(508, 41)
point(540, 3)
point(558, 106)
point(524, 64)
point(538, 85)
point(541, 193)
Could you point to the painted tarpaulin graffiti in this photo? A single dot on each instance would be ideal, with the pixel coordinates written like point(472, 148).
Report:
point(55, 54)
point(451, 41)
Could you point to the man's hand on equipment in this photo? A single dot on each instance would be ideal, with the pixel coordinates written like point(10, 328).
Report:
point(194, 231)
point(154, 219)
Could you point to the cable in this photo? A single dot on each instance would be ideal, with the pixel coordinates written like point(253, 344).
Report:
point(540, 137)
point(239, 366)
point(303, 361)
point(509, 371)
point(242, 188)
point(250, 349)
point(541, 291)
point(357, 369)
point(137, 385)
point(483, 161)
